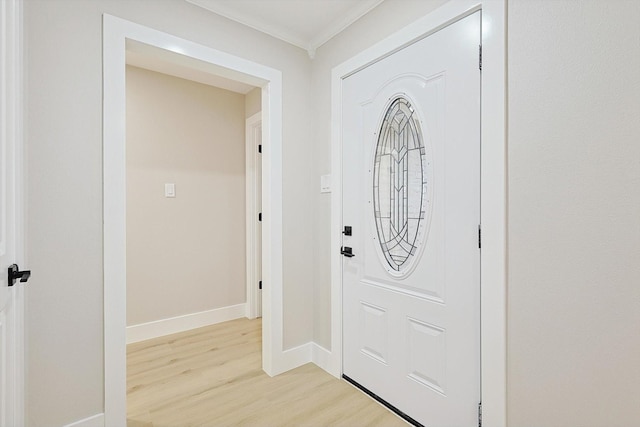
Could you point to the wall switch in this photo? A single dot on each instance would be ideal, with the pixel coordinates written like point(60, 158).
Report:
point(325, 184)
point(170, 190)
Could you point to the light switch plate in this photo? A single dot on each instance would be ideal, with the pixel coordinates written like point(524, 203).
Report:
point(170, 190)
point(325, 184)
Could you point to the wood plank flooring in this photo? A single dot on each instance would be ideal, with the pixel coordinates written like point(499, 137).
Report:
point(212, 376)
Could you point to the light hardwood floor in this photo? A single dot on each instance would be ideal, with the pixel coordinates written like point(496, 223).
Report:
point(212, 376)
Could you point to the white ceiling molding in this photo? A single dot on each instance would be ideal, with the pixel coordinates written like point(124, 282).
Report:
point(341, 22)
point(307, 24)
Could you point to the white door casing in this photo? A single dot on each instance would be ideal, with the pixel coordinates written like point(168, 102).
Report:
point(253, 136)
point(411, 294)
point(11, 216)
point(116, 33)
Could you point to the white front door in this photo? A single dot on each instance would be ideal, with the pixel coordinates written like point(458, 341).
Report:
point(11, 294)
point(411, 195)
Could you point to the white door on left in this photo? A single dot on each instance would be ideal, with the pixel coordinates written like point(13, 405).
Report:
point(11, 294)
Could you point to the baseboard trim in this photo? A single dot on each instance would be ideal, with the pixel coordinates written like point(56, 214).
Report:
point(159, 328)
point(321, 357)
point(292, 358)
point(306, 353)
point(92, 421)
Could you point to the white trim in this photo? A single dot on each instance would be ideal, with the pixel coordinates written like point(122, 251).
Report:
point(252, 251)
point(234, 14)
point(12, 134)
point(358, 10)
point(93, 421)
point(295, 357)
point(116, 32)
point(186, 322)
point(303, 354)
point(493, 213)
point(321, 356)
point(493, 176)
point(306, 353)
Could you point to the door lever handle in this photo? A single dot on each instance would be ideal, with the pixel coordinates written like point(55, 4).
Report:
point(14, 274)
point(347, 251)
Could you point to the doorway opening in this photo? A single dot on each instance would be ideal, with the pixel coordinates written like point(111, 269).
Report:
point(119, 37)
point(186, 258)
point(185, 178)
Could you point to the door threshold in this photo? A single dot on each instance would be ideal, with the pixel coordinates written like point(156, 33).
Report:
point(380, 400)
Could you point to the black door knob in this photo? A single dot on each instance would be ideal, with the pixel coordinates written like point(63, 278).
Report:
point(14, 274)
point(347, 251)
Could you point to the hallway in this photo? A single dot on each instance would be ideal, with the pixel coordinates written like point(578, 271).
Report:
point(211, 376)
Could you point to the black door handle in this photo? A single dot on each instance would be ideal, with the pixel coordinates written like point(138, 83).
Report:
point(347, 251)
point(14, 274)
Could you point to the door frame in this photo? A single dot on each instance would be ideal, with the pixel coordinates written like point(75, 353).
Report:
point(116, 33)
point(493, 164)
point(12, 137)
point(253, 308)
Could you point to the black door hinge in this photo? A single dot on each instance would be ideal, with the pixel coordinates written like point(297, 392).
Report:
point(260, 284)
point(479, 237)
point(480, 57)
point(480, 414)
point(259, 148)
point(260, 217)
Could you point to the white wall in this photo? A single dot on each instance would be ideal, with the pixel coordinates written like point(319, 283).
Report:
point(574, 234)
point(63, 113)
point(574, 204)
point(185, 254)
point(253, 102)
point(574, 213)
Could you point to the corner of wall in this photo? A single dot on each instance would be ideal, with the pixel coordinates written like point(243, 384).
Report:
point(92, 421)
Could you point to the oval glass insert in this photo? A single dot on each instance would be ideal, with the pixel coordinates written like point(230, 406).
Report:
point(400, 187)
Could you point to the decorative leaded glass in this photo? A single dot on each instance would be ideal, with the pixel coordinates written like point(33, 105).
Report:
point(400, 186)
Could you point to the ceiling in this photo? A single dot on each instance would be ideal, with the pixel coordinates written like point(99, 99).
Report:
point(304, 23)
point(177, 65)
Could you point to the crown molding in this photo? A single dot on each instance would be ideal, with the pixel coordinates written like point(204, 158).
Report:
point(363, 7)
point(276, 31)
point(284, 34)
